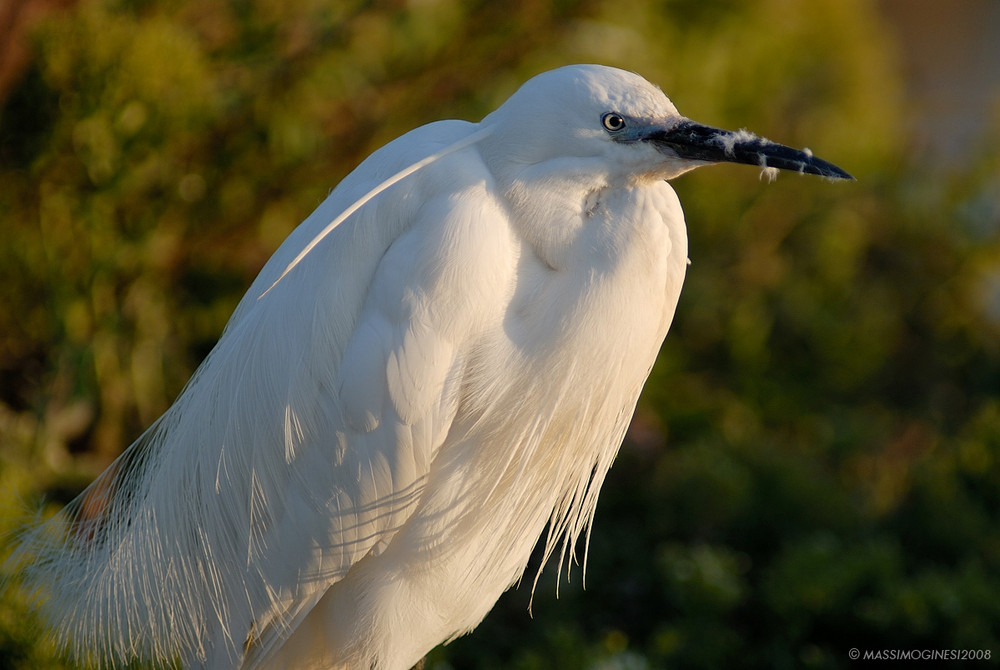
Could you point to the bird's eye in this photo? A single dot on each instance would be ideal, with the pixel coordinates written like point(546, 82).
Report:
point(613, 122)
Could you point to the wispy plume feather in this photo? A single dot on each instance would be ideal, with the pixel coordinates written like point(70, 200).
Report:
point(360, 202)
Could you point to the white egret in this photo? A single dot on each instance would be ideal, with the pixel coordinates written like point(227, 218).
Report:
point(437, 365)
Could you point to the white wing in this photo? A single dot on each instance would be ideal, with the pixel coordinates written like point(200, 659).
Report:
point(300, 445)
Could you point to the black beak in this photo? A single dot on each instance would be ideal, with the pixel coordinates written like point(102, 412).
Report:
point(694, 141)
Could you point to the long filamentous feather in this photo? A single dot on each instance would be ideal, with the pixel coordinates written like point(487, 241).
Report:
point(139, 565)
point(360, 202)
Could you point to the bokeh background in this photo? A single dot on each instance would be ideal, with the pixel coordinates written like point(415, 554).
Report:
point(815, 462)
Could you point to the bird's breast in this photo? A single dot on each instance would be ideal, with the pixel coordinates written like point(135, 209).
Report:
point(576, 344)
point(546, 393)
point(616, 285)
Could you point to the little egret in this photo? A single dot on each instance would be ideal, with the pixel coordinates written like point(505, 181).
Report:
point(437, 365)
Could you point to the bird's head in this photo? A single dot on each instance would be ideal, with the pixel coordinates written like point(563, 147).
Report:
point(601, 120)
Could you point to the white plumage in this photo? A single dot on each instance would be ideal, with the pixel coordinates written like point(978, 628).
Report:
point(365, 461)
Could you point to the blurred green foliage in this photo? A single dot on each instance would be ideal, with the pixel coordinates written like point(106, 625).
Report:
point(815, 464)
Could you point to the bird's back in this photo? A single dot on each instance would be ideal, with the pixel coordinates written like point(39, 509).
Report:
point(254, 491)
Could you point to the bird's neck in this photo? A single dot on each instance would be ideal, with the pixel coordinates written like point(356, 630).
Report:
point(554, 220)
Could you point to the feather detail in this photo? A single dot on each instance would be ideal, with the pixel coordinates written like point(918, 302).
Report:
point(173, 553)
